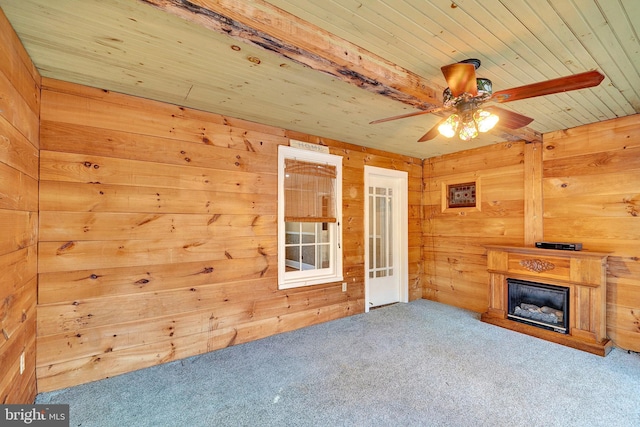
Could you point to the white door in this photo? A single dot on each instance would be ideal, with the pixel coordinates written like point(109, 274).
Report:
point(386, 247)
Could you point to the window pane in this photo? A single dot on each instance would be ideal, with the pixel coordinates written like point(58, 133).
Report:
point(371, 216)
point(371, 253)
point(381, 230)
point(324, 254)
point(292, 255)
point(292, 233)
point(323, 232)
point(308, 257)
point(308, 232)
point(308, 227)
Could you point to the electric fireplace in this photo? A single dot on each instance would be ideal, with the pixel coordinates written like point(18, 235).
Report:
point(555, 295)
point(538, 304)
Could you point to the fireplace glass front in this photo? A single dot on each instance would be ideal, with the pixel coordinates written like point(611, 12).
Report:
point(539, 304)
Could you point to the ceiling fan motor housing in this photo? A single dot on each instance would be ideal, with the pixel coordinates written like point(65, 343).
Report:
point(485, 90)
point(474, 61)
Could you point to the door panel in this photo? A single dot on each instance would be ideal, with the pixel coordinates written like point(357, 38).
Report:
point(385, 277)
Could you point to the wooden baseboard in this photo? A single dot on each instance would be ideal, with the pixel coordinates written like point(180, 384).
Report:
point(598, 348)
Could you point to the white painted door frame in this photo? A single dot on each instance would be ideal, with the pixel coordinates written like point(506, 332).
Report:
point(401, 224)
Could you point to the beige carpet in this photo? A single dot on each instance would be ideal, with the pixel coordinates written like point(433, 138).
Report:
point(416, 364)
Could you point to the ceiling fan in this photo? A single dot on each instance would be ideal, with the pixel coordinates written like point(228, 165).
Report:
point(466, 93)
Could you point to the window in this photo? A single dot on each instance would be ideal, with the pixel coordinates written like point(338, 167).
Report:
point(309, 214)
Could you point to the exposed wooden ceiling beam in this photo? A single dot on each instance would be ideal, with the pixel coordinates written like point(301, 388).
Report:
point(526, 134)
point(262, 24)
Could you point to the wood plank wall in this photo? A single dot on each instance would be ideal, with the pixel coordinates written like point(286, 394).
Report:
point(158, 234)
point(19, 142)
point(591, 184)
point(455, 269)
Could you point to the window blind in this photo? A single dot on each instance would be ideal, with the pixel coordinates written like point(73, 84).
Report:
point(310, 192)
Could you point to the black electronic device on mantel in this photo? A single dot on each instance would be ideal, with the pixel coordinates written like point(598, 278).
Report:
point(560, 245)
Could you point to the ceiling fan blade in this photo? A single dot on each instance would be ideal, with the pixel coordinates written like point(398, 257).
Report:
point(433, 132)
point(562, 84)
point(461, 78)
point(509, 119)
point(416, 113)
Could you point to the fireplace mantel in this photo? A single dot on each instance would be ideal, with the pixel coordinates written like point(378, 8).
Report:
point(583, 272)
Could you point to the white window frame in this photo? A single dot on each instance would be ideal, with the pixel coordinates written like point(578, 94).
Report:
point(295, 279)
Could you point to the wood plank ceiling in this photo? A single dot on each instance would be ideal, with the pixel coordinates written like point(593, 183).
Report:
point(330, 67)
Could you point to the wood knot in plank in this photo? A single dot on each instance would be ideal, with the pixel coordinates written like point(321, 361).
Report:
point(148, 220)
point(537, 265)
point(192, 245)
point(264, 271)
point(248, 145)
point(66, 247)
point(4, 308)
point(206, 270)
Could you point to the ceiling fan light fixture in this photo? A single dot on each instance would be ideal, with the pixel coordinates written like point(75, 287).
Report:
point(449, 127)
point(468, 131)
point(485, 120)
